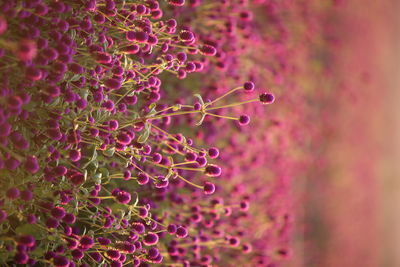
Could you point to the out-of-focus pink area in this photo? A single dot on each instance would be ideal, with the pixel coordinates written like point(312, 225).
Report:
point(350, 215)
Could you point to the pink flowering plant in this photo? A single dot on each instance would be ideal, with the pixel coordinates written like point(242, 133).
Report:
point(108, 152)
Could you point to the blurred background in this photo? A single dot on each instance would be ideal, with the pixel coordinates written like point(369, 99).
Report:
point(351, 213)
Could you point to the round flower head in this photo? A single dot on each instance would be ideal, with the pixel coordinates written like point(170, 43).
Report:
point(31, 165)
point(86, 242)
point(213, 152)
point(176, 2)
point(31, 219)
point(248, 86)
point(60, 261)
point(234, 241)
point(69, 218)
point(27, 195)
point(212, 170)
point(208, 50)
point(52, 223)
point(150, 239)
point(123, 197)
point(116, 263)
point(74, 155)
point(21, 258)
point(142, 178)
point(27, 240)
point(138, 227)
point(96, 256)
point(13, 193)
point(244, 120)
point(186, 36)
point(267, 98)
point(113, 254)
point(153, 253)
point(171, 229)
point(209, 188)
point(181, 232)
point(26, 50)
point(58, 212)
point(113, 84)
point(77, 254)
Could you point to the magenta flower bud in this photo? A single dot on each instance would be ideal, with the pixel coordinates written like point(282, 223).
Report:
point(186, 36)
point(141, 9)
point(248, 86)
point(108, 105)
point(60, 170)
point(244, 120)
point(58, 212)
point(104, 241)
point(27, 240)
point(21, 258)
point(31, 165)
point(234, 241)
point(86, 242)
point(96, 256)
point(34, 74)
point(247, 248)
point(76, 68)
point(74, 155)
point(153, 253)
point(26, 50)
point(113, 83)
point(69, 218)
point(181, 232)
point(81, 103)
point(99, 18)
point(123, 197)
point(77, 254)
point(171, 229)
point(171, 23)
point(131, 49)
point(124, 138)
point(113, 254)
point(176, 2)
point(209, 188)
point(157, 157)
point(267, 98)
point(244, 206)
point(60, 261)
point(27, 195)
point(202, 161)
point(117, 263)
point(52, 223)
point(113, 124)
point(142, 178)
point(213, 152)
point(12, 164)
point(13, 193)
point(208, 50)
point(150, 239)
point(31, 219)
point(143, 212)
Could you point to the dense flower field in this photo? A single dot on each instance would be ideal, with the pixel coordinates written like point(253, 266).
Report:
point(138, 133)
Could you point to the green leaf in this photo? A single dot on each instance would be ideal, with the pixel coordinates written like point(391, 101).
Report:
point(145, 135)
point(31, 229)
point(109, 152)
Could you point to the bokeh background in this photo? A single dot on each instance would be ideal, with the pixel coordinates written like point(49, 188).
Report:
point(351, 201)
